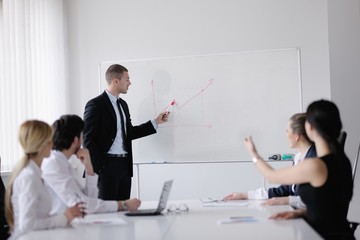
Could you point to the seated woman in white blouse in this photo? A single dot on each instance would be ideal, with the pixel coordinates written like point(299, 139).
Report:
point(27, 200)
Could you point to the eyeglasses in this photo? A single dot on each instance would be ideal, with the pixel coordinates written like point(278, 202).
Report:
point(182, 208)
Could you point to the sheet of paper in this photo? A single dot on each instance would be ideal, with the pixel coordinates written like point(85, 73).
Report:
point(241, 219)
point(220, 203)
point(98, 219)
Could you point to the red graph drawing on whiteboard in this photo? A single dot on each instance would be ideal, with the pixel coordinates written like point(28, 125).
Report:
point(179, 105)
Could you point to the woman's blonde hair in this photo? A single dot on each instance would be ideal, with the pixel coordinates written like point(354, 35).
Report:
point(33, 136)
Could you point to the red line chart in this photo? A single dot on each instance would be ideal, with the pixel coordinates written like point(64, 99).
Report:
point(180, 105)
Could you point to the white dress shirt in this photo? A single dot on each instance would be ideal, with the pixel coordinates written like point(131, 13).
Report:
point(32, 203)
point(118, 145)
point(66, 191)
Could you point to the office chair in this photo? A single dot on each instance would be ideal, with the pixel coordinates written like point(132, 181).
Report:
point(4, 228)
point(356, 162)
point(342, 139)
point(353, 225)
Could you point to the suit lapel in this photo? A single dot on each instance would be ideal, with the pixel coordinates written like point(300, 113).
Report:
point(108, 104)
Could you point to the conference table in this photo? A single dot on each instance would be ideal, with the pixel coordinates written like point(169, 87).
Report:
point(210, 220)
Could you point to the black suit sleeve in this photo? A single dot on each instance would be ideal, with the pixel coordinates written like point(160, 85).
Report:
point(286, 190)
point(138, 131)
point(91, 120)
point(281, 191)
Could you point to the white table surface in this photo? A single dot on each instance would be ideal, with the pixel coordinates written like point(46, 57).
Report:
point(199, 223)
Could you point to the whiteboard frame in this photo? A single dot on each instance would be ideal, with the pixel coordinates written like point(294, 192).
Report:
point(298, 49)
point(299, 69)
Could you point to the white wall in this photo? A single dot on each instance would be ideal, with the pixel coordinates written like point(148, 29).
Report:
point(344, 43)
point(105, 30)
point(328, 33)
point(199, 180)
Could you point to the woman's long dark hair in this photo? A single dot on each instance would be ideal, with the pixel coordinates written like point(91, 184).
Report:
point(324, 116)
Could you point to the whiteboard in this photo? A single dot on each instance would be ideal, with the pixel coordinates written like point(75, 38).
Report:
point(219, 99)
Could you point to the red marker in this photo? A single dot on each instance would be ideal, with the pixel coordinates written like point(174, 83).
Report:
point(171, 106)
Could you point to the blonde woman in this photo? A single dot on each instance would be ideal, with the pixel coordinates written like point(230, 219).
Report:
point(27, 201)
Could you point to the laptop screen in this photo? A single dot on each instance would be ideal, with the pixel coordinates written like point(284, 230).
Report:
point(164, 195)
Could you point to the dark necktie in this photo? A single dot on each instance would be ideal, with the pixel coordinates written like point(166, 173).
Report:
point(123, 135)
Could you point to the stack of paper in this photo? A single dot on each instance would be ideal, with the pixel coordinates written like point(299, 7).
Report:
point(240, 219)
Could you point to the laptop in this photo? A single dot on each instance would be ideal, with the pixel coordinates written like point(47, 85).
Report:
point(164, 196)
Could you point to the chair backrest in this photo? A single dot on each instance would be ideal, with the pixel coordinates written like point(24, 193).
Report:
point(353, 225)
point(356, 162)
point(342, 139)
point(4, 228)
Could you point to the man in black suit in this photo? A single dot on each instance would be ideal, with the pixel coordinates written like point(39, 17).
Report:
point(108, 134)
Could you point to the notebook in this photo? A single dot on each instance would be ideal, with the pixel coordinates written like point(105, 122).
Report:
point(164, 196)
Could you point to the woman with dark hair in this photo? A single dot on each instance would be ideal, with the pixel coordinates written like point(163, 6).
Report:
point(326, 185)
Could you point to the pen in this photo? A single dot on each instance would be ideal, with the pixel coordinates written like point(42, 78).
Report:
point(237, 220)
point(241, 218)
